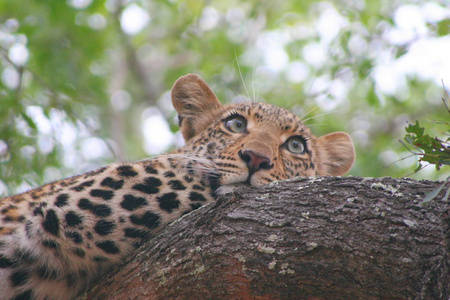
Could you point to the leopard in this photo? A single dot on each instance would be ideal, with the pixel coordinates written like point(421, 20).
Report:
point(56, 240)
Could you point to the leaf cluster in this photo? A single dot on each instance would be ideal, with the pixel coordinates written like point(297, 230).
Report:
point(431, 150)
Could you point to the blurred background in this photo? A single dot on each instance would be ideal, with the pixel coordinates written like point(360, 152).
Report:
point(87, 82)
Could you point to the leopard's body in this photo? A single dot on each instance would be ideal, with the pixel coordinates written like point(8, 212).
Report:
point(55, 240)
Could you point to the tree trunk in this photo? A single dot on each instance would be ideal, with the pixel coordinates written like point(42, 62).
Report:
point(322, 238)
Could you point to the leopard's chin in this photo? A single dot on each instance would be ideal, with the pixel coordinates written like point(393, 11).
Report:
point(243, 181)
point(230, 188)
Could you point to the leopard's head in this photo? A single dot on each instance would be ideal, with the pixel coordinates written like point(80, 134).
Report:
point(254, 143)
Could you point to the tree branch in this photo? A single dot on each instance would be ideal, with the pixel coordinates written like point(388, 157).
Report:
point(329, 237)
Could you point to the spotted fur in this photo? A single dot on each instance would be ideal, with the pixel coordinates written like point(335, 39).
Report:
point(56, 239)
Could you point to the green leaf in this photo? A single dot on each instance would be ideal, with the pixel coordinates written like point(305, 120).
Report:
point(443, 27)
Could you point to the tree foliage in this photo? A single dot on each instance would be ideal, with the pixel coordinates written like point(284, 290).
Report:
point(84, 82)
point(431, 150)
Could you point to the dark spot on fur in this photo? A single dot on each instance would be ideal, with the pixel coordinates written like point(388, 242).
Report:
point(51, 222)
point(84, 203)
point(5, 262)
point(168, 202)
point(75, 236)
point(196, 205)
point(101, 210)
point(177, 185)
point(169, 174)
point(111, 183)
point(194, 196)
point(82, 186)
point(104, 227)
point(19, 277)
point(108, 246)
point(73, 219)
point(99, 258)
point(150, 170)
point(79, 252)
point(136, 233)
point(50, 244)
point(27, 295)
point(61, 200)
point(104, 194)
point(150, 186)
point(131, 202)
point(126, 171)
point(188, 178)
point(148, 219)
point(38, 211)
point(198, 187)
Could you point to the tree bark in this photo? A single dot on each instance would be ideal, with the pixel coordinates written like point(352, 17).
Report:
point(322, 238)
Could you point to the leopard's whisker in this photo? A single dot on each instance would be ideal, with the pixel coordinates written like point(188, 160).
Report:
point(241, 76)
point(309, 111)
point(321, 115)
point(253, 83)
point(312, 125)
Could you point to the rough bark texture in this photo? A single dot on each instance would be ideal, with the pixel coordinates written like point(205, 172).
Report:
point(323, 238)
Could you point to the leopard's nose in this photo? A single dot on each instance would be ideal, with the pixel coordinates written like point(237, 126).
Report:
point(255, 161)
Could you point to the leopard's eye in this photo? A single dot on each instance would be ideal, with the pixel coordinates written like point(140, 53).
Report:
point(296, 145)
point(236, 124)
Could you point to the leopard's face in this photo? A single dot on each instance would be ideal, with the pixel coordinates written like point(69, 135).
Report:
point(254, 143)
point(257, 143)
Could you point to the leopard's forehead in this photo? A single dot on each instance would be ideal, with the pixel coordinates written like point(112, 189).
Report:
point(282, 118)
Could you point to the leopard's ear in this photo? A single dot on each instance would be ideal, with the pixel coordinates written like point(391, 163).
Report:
point(196, 104)
point(336, 153)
